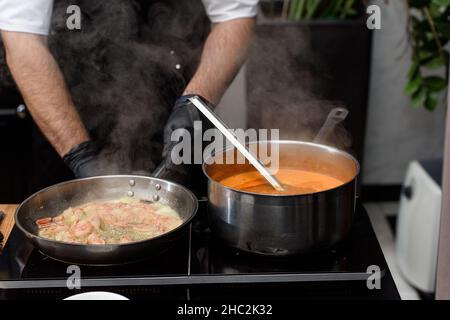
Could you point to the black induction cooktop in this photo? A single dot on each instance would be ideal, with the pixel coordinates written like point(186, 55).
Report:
point(200, 267)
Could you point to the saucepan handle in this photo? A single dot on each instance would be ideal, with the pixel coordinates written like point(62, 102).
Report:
point(335, 117)
point(161, 171)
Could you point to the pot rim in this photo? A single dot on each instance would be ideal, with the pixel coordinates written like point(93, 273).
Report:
point(287, 142)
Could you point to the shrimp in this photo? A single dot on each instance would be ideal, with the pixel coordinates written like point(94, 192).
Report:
point(94, 238)
point(113, 221)
point(44, 222)
point(58, 219)
point(64, 236)
point(81, 229)
point(96, 222)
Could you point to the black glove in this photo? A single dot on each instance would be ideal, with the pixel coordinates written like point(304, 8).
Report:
point(183, 115)
point(83, 160)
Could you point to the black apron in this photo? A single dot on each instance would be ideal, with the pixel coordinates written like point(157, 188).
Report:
point(124, 69)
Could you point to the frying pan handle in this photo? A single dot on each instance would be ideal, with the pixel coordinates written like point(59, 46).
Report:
point(203, 199)
point(161, 171)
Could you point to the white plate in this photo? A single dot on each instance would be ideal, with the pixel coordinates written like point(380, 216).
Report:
point(97, 295)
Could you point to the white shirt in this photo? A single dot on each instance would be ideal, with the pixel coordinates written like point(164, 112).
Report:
point(33, 16)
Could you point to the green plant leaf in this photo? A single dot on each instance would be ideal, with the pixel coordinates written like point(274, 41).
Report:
point(413, 70)
point(443, 29)
point(431, 102)
point(419, 98)
point(435, 63)
point(435, 84)
point(429, 32)
point(418, 3)
point(325, 9)
point(441, 3)
point(414, 85)
point(426, 55)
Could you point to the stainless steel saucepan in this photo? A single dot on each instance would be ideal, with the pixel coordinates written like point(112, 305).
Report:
point(54, 200)
point(284, 224)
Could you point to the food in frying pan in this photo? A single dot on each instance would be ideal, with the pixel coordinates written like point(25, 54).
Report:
point(110, 222)
point(294, 181)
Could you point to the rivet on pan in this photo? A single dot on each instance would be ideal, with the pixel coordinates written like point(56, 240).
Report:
point(130, 193)
point(158, 186)
point(155, 197)
point(132, 183)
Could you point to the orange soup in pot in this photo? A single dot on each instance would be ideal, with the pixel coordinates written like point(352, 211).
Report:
point(294, 181)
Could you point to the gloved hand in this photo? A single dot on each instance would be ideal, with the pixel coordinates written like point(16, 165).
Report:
point(183, 115)
point(83, 160)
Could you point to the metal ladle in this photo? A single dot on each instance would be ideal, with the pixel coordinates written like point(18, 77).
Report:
point(223, 128)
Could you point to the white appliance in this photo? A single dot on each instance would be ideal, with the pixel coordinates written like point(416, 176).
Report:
point(418, 224)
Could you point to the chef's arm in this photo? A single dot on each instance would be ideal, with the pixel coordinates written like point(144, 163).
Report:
point(224, 53)
point(43, 88)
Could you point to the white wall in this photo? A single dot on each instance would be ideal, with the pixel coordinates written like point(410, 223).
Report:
point(233, 109)
point(396, 132)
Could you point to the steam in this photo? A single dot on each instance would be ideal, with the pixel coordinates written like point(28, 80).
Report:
point(288, 94)
point(120, 69)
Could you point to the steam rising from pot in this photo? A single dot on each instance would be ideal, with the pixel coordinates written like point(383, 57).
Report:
point(286, 83)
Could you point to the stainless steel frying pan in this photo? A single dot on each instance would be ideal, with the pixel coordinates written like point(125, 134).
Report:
point(55, 199)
